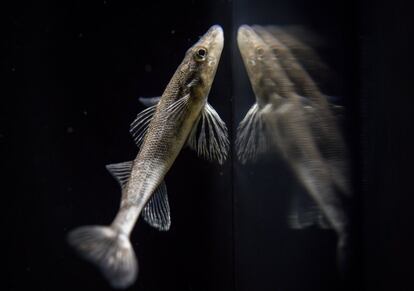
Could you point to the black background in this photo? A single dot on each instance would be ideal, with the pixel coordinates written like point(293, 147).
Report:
point(74, 70)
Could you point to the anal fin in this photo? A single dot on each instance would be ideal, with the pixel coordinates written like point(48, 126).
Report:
point(157, 210)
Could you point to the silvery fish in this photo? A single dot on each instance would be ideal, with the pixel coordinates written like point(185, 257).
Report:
point(299, 126)
point(180, 116)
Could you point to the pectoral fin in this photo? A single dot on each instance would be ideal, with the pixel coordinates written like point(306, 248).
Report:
point(252, 136)
point(178, 108)
point(140, 125)
point(157, 210)
point(209, 136)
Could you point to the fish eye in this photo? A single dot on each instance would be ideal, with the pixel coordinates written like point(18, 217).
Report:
point(259, 51)
point(201, 54)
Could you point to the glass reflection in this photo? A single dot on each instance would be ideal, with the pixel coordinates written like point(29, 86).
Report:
point(294, 119)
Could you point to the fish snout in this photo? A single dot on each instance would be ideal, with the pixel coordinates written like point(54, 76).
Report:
point(245, 31)
point(217, 36)
point(244, 37)
point(215, 30)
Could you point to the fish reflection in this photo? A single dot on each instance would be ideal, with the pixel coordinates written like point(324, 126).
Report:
point(293, 118)
point(302, 43)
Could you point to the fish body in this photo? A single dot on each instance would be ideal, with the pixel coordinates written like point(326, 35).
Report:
point(169, 129)
point(181, 115)
point(295, 125)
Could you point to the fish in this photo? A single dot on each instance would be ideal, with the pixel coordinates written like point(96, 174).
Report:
point(180, 116)
point(297, 126)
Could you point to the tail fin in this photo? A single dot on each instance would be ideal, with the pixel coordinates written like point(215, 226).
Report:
point(109, 250)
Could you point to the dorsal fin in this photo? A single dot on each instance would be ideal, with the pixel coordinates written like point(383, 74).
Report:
point(121, 172)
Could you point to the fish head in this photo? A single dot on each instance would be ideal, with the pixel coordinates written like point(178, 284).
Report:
point(258, 61)
point(201, 61)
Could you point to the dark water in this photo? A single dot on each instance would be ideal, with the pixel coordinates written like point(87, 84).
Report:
point(76, 69)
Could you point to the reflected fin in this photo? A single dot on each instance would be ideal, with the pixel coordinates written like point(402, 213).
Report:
point(209, 136)
point(251, 136)
point(304, 212)
point(157, 210)
point(121, 172)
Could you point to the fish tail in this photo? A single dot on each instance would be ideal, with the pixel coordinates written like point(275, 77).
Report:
point(108, 249)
